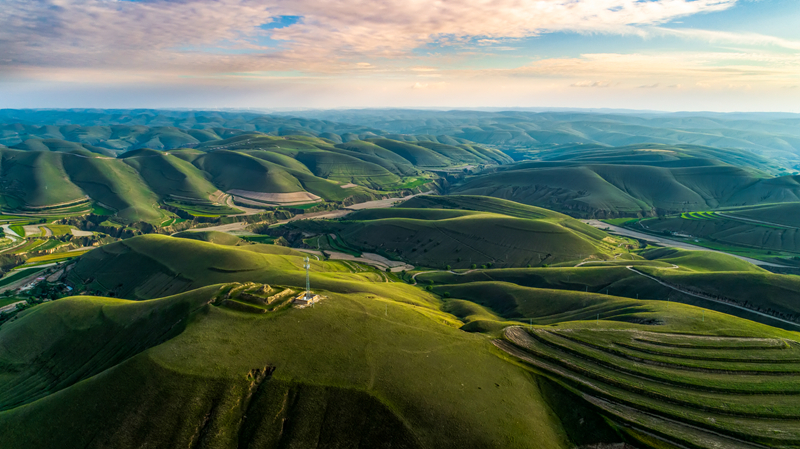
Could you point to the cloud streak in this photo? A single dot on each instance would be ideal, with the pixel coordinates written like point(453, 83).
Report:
point(223, 36)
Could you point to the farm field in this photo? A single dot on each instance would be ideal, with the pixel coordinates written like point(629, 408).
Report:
point(709, 388)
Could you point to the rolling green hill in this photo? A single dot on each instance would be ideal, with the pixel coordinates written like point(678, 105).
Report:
point(435, 236)
point(775, 136)
point(377, 363)
point(611, 190)
point(255, 169)
point(198, 385)
point(767, 228)
point(122, 130)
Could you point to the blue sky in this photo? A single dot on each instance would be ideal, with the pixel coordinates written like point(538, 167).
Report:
point(720, 55)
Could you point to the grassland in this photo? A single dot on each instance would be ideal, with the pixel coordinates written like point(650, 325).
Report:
point(133, 185)
point(460, 231)
point(762, 231)
point(725, 384)
point(387, 360)
point(159, 370)
point(56, 257)
point(634, 181)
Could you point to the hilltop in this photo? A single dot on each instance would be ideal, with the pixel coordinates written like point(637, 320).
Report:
point(460, 232)
point(630, 182)
point(251, 171)
point(774, 136)
point(379, 362)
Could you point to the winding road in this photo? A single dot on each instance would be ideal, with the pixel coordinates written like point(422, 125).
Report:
point(707, 298)
point(673, 243)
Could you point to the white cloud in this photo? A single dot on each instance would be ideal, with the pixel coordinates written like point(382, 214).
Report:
point(591, 84)
point(210, 36)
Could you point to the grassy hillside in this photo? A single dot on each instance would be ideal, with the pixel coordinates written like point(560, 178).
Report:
point(698, 378)
point(521, 133)
point(152, 266)
point(434, 237)
point(606, 190)
point(772, 227)
point(219, 238)
point(340, 385)
point(724, 283)
point(381, 362)
point(257, 169)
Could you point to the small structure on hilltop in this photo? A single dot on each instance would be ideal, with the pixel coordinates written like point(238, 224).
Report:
point(307, 298)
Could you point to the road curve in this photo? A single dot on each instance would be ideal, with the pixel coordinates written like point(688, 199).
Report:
point(686, 292)
point(673, 243)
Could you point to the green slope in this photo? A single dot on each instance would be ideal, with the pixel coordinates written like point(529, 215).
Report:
point(630, 190)
point(441, 237)
point(772, 227)
point(167, 175)
point(335, 378)
point(38, 178)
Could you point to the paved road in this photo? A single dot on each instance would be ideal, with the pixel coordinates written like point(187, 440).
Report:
point(704, 297)
point(734, 217)
point(239, 228)
point(673, 243)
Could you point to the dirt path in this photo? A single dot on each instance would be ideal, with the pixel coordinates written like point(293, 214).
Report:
point(10, 306)
point(314, 253)
point(414, 278)
point(231, 228)
point(247, 210)
point(708, 298)
point(379, 204)
point(673, 243)
point(374, 260)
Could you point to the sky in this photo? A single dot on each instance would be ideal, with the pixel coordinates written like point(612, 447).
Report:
point(671, 55)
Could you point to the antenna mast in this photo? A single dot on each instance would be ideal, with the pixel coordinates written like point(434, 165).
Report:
point(307, 265)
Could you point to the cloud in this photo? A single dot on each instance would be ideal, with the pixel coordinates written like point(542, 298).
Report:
point(671, 68)
point(727, 37)
point(228, 36)
point(649, 86)
point(591, 84)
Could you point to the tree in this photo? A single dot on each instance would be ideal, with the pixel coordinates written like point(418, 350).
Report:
point(447, 268)
point(474, 266)
point(388, 270)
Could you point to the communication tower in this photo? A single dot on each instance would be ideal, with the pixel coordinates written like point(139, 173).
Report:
point(307, 266)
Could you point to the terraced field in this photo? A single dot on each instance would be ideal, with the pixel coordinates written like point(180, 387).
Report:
point(693, 390)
